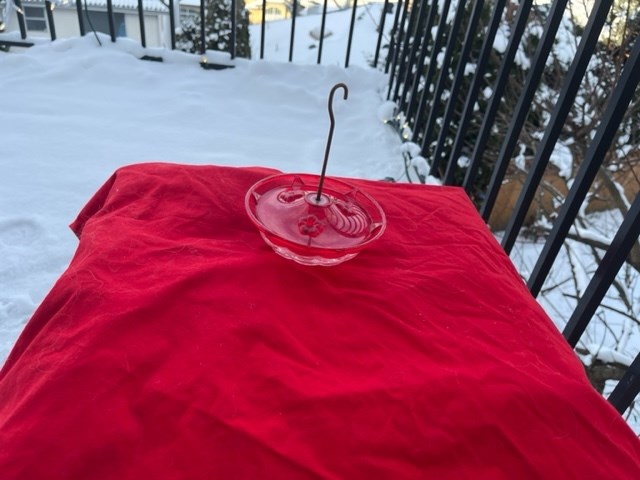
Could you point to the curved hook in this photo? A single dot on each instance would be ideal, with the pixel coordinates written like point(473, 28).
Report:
point(330, 137)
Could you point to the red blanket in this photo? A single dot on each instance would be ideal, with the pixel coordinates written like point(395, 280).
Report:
point(177, 345)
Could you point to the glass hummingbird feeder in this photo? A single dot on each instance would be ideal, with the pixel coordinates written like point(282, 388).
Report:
point(315, 220)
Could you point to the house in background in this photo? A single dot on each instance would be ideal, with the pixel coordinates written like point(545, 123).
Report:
point(65, 19)
point(189, 10)
point(274, 10)
point(283, 9)
point(126, 20)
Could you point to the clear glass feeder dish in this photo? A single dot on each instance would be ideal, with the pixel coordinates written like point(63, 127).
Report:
point(311, 230)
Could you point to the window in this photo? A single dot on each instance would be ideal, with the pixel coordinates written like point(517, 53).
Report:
point(188, 14)
point(100, 22)
point(2, 9)
point(34, 16)
point(273, 11)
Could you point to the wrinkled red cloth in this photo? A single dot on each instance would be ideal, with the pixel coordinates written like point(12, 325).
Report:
point(177, 345)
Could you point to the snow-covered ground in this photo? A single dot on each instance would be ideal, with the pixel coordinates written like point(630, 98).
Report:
point(277, 36)
point(73, 111)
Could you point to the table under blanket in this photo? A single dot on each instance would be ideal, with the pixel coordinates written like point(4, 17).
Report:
point(178, 345)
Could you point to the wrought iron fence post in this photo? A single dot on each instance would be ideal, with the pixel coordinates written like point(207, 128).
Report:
point(517, 31)
point(351, 25)
point(419, 38)
point(172, 24)
point(472, 96)
point(627, 388)
point(143, 37)
point(112, 26)
point(616, 108)
point(80, 17)
point(262, 28)
point(404, 65)
point(48, 8)
point(234, 26)
point(203, 28)
point(399, 36)
point(413, 101)
point(293, 28)
point(442, 78)
point(392, 45)
point(22, 24)
point(612, 261)
point(322, 24)
point(431, 70)
point(457, 84)
point(522, 107)
point(558, 117)
point(383, 17)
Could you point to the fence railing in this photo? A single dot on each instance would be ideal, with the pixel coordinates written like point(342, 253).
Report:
point(434, 44)
point(172, 13)
point(421, 71)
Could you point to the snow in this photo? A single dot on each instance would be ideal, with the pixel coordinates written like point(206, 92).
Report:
point(563, 159)
point(591, 235)
point(278, 35)
point(470, 68)
point(608, 355)
point(501, 41)
point(386, 111)
point(566, 43)
point(411, 148)
point(73, 112)
point(421, 165)
point(463, 161)
point(520, 159)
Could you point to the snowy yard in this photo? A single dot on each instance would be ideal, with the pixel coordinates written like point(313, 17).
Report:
point(74, 111)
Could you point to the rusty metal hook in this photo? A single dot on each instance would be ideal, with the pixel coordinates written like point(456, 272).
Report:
point(330, 138)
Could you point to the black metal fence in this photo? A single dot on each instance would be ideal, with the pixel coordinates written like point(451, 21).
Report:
point(433, 43)
point(174, 22)
point(422, 69)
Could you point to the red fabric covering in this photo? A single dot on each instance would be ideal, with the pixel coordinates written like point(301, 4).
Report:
point(177, 345)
